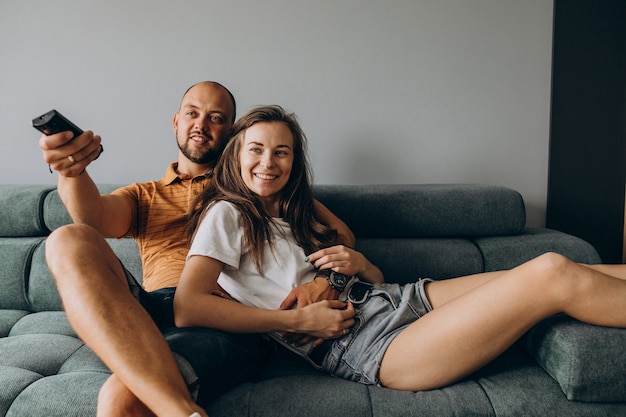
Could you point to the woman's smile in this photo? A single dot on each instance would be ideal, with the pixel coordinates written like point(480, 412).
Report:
point(266, 160)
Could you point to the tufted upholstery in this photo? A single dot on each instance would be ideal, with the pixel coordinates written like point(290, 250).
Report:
point(409, 231)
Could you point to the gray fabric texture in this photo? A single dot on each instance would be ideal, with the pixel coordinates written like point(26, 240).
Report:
point(587, 361)
point(423, 210)
point(409, 231)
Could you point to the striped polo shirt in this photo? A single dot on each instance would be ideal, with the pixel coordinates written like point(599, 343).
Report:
point(159, 225)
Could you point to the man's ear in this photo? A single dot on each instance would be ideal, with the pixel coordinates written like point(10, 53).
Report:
point(175, 122)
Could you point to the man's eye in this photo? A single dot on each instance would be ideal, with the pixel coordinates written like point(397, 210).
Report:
point(217, 119)
point(190, 113)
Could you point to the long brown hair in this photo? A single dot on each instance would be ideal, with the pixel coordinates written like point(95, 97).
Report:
point(296, 198)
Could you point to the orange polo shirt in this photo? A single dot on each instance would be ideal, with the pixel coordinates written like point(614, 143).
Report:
point(159, 224)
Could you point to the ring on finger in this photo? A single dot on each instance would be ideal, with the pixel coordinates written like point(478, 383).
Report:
point(71, 158)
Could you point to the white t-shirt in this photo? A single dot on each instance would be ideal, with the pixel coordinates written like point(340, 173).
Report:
point(220, 236)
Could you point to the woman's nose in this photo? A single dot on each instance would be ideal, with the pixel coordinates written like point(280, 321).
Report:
point(267, 161)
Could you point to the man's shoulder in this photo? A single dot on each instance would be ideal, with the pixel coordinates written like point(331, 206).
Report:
point(138, 189)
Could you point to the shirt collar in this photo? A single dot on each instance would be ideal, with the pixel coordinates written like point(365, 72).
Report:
point(171, 176)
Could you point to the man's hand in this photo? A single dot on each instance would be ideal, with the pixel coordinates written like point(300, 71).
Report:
point(70, 156)
point(317, 290)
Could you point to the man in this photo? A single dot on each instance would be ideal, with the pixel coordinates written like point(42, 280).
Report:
point(124, 327)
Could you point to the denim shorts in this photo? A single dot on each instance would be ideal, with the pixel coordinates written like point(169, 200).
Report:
point(382, 312)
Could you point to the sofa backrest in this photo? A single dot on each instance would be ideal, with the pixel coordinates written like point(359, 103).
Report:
point(29, 214)
point(425, 210)
point(409, 231)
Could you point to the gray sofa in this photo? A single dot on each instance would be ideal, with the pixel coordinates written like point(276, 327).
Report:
point(560, 368)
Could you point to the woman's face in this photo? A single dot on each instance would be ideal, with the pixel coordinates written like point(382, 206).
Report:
point(266, 160)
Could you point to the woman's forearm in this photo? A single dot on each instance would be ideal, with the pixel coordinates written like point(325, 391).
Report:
point(325, 319)
point(204, 310)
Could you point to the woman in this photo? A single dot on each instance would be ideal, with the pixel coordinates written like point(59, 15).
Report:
point(256, 236)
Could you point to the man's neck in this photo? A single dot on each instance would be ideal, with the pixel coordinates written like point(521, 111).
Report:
point(191, 169)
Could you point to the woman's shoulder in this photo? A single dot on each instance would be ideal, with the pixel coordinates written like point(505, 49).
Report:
point(223, 209)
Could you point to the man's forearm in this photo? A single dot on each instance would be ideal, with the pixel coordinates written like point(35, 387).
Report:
point(82, 199)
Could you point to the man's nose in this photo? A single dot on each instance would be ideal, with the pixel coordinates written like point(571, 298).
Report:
point(202, 124)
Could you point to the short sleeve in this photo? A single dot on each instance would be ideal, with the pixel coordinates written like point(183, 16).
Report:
point(219, 235)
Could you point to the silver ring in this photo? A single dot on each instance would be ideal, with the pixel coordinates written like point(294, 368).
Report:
point(71, 158)
point(344, 332)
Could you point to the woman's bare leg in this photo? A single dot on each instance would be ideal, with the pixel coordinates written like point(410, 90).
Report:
point(483, 317)
point(614, 270)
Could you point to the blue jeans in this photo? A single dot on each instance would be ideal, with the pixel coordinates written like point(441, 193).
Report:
point(382, 311)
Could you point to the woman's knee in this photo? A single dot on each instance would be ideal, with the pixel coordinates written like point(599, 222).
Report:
point(553, 270)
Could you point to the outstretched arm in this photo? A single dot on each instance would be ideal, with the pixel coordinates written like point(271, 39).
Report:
point(70, 156)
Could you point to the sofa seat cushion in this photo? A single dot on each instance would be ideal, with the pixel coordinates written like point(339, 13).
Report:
point(587, 361)
point(54, 374)
point(46, 354)
point(287, 380)
point(53, 322)
point(49, 375)
point(65, 395)
point(8, 318)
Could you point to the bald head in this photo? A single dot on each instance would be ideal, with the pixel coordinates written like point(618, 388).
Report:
point(216, 87)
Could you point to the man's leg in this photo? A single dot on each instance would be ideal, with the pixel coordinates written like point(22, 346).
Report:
point(221, 360)
point(117, 400)
point(99, 306)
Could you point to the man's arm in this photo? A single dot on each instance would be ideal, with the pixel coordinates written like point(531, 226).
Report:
point(344, 234)
point(319, 289)
point(110, 215)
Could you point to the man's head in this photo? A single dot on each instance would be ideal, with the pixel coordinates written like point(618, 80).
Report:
point(203, 123)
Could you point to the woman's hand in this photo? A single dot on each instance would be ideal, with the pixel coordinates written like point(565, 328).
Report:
point(328, 319)
point(346, 261)
point(339, 258)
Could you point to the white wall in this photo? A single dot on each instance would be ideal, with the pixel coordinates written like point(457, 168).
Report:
point(415, 91)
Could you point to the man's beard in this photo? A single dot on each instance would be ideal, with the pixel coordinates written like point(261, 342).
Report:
point(211, 155)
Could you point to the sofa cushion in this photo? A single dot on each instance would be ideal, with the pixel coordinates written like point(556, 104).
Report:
point(8, 318)
point(54, 212)
point(20, 206)
point(16, 256)
point(55, 375)
point(506, 252)
point(587, 361)
point(52, 322)
point(415, 210)
point(422, 257)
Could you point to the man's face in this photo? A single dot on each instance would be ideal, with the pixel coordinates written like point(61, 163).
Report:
point(203, 123)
